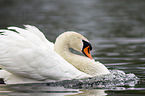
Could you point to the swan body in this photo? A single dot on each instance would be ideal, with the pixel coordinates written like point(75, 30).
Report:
point(26, 56)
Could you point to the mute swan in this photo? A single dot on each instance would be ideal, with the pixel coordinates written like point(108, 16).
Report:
point(26, 56)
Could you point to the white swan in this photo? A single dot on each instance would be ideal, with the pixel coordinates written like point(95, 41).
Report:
point(26, 56)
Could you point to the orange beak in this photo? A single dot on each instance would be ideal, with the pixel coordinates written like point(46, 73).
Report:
point(86, 51)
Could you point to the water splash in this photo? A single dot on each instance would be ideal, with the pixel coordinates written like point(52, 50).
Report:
point(115, 78)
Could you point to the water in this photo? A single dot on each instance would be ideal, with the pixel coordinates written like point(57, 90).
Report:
point(115, 81)
point(114, 27)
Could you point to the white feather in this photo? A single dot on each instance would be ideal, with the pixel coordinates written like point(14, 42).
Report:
point(28, 54)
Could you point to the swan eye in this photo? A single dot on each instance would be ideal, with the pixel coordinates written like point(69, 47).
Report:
point(86, 49)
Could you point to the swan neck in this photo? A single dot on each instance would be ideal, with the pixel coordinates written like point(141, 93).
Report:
point(82, 63)
point(62, 48)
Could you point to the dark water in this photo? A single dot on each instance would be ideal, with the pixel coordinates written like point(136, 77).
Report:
point(116, 29)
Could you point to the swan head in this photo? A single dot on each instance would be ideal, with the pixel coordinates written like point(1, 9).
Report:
point(79, 43)
point(75, 41)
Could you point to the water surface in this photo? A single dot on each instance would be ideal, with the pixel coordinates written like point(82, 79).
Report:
point(115, 28)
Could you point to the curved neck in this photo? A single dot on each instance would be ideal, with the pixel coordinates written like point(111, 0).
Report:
point(82, 63)
point(61, 46)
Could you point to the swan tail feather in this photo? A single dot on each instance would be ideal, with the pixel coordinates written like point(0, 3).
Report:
point(34, 34)
point(36, 31)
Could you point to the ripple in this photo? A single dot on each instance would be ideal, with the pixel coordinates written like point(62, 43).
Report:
point(117, 64)
point(141, 67)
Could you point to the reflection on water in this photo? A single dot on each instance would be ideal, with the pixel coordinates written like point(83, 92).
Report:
point(115, 28)
point(44, 90)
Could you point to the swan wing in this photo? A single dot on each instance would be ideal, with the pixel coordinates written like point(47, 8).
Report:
point(27, 53)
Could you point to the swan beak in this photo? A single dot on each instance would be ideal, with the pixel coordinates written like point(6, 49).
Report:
point(86, 51)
